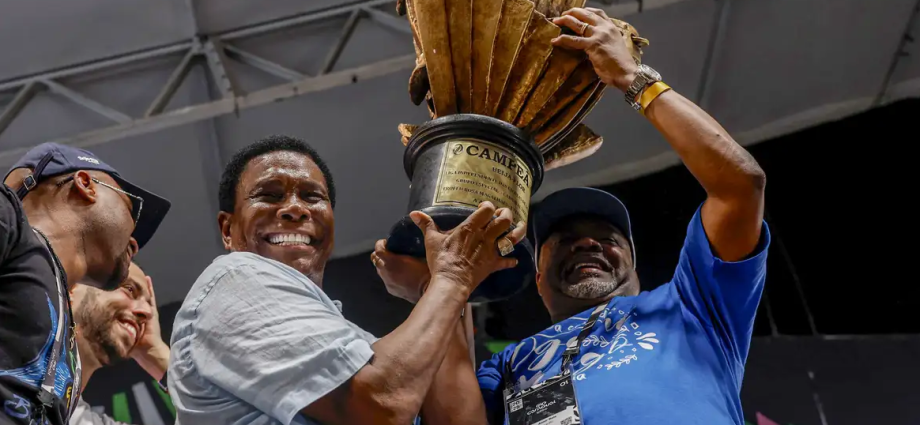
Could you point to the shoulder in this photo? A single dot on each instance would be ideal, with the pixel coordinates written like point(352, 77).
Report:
point(244, 278)
point(247, 264)
point(11, 217)
point(698, 249)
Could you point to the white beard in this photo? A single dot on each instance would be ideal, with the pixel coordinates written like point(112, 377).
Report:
point(590, 289)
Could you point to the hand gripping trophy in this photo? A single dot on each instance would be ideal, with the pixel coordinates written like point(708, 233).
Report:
point(506, 105)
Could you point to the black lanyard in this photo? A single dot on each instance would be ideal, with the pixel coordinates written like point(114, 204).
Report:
point(571, 350)
point(46, 391)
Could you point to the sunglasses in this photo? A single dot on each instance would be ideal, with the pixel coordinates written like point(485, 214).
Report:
point(137, 203)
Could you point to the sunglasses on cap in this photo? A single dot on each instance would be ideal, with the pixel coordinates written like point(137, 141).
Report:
point(137, 203)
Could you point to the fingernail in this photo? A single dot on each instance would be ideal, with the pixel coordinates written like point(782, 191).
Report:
point(414, 218)
point(521, 224)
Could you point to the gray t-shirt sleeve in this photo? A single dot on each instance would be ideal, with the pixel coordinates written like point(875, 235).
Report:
point(84, 415)
point(274, 340)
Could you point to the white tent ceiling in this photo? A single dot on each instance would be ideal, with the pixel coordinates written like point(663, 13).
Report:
point(89, 72)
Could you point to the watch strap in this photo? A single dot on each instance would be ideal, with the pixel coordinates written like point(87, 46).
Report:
point(651, 93)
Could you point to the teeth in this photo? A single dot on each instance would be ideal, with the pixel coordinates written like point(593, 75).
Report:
point(131, 330)
point(585, 265)
point(289, 239)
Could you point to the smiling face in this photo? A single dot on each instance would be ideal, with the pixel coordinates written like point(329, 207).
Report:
point(282, 212)
point(584, 261)
point(109, 323)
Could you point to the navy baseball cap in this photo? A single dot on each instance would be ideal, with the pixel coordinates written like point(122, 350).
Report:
point(578, 201)
point(48, 160)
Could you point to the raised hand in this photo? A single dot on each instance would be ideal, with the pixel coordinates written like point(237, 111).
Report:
point(608, 45)
point(151, 352)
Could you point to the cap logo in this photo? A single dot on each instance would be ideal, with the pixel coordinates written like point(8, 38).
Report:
point(88, 159)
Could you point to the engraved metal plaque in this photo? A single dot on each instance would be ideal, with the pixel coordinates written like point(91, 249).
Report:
point(473, 171)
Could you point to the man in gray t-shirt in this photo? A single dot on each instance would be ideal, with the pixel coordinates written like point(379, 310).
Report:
point(257, 341)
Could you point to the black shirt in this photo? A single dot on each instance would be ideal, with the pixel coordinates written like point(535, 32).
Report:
point(30, 308)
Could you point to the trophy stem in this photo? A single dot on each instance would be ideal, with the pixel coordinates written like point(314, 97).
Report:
point(455, 163)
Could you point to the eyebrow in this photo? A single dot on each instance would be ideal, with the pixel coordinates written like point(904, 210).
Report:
point(310, 183)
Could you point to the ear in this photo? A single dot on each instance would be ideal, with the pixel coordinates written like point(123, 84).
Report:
point(85, 186)
point(540, 283)
point(223, 222)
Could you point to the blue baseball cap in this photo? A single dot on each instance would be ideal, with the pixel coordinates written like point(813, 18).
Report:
point(578, 201)
point(48, 160)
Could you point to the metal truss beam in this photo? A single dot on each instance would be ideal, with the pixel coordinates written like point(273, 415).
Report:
point(339, 46)
point(716, 37)
point(172, 84)
point(215, 50)
point(262, 64)
point(217, 62)
point(226, 106)
point(86, 102)
point(108, 63)
point(298, 20)
point(182, 47)
point(19, 102)
point(899, 54)
point(388, 20)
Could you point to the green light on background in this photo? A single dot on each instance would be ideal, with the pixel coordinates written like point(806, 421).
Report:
point(120, 411)
point(496, 347)
point(166, 400)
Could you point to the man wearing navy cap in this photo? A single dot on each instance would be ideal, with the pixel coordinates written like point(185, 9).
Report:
point(65, 217)
point(615, 355)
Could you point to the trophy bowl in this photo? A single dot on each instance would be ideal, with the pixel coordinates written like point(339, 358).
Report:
point(457, 162)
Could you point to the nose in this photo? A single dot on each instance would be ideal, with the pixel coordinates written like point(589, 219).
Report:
point(142, 310)
point(587, 244)
point(294, 209)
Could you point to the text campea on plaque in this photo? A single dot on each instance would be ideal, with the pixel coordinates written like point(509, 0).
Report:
point(474, 171)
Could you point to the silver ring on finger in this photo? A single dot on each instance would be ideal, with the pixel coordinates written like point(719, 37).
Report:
point(584, 29)
point(505, 246)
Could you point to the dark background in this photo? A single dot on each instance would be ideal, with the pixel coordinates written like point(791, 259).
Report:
point(837, 332)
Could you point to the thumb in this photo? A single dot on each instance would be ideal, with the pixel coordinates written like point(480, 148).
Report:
point(424, 222)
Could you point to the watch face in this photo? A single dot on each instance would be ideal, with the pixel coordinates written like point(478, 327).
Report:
point(650, 73)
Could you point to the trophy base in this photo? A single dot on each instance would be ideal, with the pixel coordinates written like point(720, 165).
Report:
point(457, 162)
point(406, 238)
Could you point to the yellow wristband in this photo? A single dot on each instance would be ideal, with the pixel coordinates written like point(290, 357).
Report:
point(651, 93)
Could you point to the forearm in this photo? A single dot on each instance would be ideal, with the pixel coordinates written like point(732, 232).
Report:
point(733, 212)
point(406, 360)
point(454, 397)
point(723, 168)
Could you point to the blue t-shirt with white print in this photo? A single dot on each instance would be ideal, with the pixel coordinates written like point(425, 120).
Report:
point(674, 355)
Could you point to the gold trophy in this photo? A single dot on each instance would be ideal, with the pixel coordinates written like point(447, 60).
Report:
point(506, 105)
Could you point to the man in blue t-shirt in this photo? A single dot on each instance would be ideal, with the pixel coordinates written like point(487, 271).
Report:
point(673, 355)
